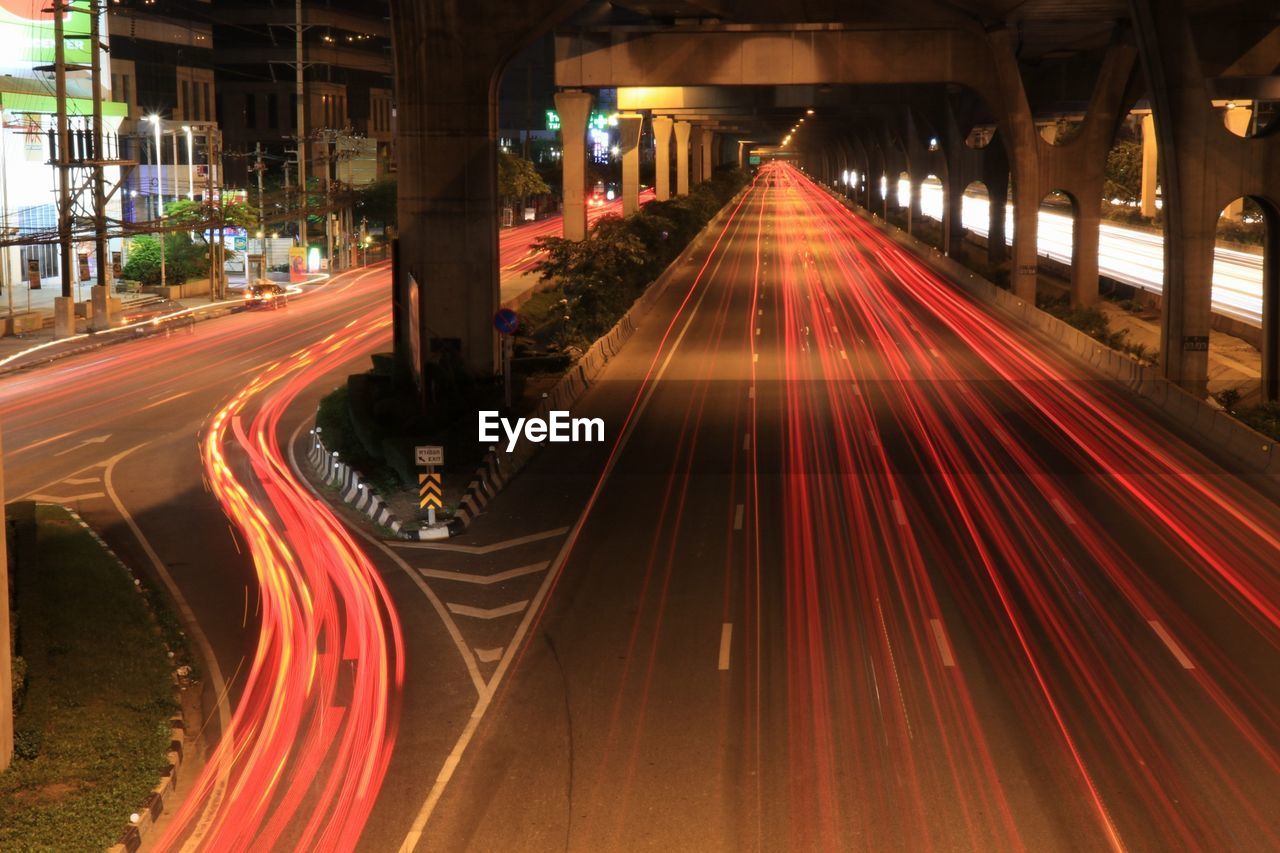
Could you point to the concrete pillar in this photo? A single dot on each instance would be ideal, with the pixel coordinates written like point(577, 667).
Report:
point(1190, 134)
point(1237, 121)
point(662, 157)
point(915, 214)
point(64, 317)
point(1084, 252)
point(1270, 348)
point(574, 109)
point(629, 127)
point(1150, 166)
point(101, 308)
point(696, 175)
point(682, 129)
point(953, 213)
point(742, 154)
point(448, 58)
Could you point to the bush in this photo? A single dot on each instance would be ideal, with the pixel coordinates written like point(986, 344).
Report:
point(183, 259)
point(600, 277)
point(1265, 418)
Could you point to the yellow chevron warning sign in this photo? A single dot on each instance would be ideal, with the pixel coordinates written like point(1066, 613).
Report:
point(430, 492)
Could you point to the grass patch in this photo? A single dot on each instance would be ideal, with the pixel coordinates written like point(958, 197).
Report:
point(94, 723)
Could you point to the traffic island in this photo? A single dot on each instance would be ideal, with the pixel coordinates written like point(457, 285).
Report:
point(97, 735)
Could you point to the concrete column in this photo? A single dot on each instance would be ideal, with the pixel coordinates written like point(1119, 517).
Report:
point(682, 129)
point(1150, 166)
point(1084, 252)
point(574, 109)
point(447, 61)
point(953, 214)
point(629, 127)
point(742, 154)
point(915, 214)
point(695, 155)
point(708, 154)
point(101, 308)
point(64, 317)
point(1237, 121)
point(662, 157)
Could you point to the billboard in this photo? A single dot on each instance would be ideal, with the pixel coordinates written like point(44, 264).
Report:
point(27, 33)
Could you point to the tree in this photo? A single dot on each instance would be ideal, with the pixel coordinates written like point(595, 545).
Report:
point(518, 179)
point(377, 202)
point(1124, 172)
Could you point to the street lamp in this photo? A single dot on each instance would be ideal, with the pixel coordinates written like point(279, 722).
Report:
point(191, 163)
point(155, 122)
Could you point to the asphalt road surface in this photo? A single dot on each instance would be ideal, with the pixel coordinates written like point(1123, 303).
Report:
point(867, 569)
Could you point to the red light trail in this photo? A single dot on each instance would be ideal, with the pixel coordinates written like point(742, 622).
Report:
point(313, 732)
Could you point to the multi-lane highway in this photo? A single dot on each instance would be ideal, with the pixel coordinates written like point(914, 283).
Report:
point(866, 568)
point(858, 567)
point(1128, 255)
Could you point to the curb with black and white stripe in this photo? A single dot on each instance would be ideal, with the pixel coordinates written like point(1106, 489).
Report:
point(358, 494)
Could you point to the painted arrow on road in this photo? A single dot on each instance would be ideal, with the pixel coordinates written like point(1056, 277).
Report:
point(101, 439)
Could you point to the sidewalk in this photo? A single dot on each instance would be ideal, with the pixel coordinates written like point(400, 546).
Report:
point(18, 352)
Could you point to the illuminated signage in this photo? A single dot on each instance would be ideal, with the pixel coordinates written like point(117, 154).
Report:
point(598, 121)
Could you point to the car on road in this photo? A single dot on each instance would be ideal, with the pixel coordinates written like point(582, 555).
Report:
point(598, 197)
point(265, 294)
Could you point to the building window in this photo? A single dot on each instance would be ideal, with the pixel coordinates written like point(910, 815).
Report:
point(273, 117)
point(184, 101)
point(250, 110)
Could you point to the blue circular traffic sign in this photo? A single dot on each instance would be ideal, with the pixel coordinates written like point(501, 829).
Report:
point(506, 321)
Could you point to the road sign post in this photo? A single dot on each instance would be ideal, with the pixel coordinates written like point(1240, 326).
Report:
point(506, 322)
point(430, 487)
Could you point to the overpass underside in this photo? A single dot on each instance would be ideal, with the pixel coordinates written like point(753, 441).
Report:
point(964, 91)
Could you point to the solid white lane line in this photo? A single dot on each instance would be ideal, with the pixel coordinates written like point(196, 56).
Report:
point(755, 357)
point(944, 645)
point(899, 513)
point(875, 439)
point(82, 481)
point(737, 517)
point(726, 636)
point(488, 612)
point(41, 443)
point(751, 392)
point(1171, 644)
point(843, 355)
point(1062, 511)
point(484, 580)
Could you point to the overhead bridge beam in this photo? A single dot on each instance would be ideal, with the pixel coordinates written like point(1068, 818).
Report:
point(730, 57)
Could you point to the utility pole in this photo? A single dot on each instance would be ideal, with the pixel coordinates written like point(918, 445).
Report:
point(208, 200)
point(302, 123)
point(99, 151)
point(63, 140)
point(328, 199)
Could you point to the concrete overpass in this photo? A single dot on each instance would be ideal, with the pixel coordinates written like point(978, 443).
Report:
point(904, 87)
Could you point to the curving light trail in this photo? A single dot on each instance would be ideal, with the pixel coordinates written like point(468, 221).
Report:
point(309, 743)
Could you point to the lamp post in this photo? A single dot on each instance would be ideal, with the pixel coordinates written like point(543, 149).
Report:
point(191, 163)
point(155, 122)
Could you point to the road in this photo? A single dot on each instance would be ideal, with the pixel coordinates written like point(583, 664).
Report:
point(862, 567)
point(1127, 255)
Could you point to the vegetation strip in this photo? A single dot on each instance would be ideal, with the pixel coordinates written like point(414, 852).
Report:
point(95, 706)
